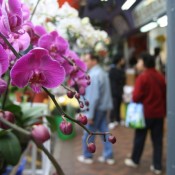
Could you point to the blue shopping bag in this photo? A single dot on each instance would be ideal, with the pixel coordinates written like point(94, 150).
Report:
point(135, 116)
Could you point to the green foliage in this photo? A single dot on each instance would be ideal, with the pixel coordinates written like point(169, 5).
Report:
point(30, 115)
point(10, 148)
point(52, 123)
point(15, 109)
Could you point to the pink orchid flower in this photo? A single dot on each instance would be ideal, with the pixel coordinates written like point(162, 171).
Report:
point(78, 69)
point(76, 72)
point(11, 17)
point(20, 42)
point(37, 69)
point(35, 32)
point(55, 44)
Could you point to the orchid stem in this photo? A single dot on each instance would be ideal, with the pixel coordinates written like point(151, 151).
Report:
point(72, 63)
point(51, 158)
point(6, 93)
point(67, 88)
point(15, 127)
point(10, 46)
point(73, 120)
point(34, 10)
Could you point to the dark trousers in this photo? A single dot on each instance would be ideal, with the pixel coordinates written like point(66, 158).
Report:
point(115, 113)
point(156, 128)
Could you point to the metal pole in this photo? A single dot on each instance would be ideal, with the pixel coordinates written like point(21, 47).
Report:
point(171, 88)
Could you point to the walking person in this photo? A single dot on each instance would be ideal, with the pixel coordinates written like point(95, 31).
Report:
point(159, 65)
point(150, 90)
point(99, 96)
point(117, 82)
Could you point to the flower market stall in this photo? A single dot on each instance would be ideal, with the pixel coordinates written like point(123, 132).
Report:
point(40, 51)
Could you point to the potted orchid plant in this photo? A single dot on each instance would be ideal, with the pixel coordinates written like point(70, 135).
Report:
point(32, 57)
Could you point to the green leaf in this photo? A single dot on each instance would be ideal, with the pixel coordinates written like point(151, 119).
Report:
point(15, 109)
point(30, 122)
point(32, 111)
point(3, 132)
point(10, 148)
point(52, 123)
point(31, 114)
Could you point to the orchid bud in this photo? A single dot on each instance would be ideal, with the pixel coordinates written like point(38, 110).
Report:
point(70, 94)
point(82, 119)
point(86, 103)
point(3, 86)
point(7, 115)
point(91, 147)
point(112, 139)
point(66, 127)
point(77, 95)
point(82, 91)
point(88, 77)
point(75, 68)
point(81, 104)
point(40, 133)
point(88, 82)
point(55, 173)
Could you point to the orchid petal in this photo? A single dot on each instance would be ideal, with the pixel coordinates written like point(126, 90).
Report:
point(15, 7)
point(3, 86)
point(54, 70)
point(4, 62)
point(23, 41)
point(40, 30)
point(22, 70)
point(25, 12)
point(45, 41)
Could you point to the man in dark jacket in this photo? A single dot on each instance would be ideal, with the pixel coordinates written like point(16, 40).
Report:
point(117, 81)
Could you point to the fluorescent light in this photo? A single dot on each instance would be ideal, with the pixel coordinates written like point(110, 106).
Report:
point(163, 21)
point(128, 4)
point(148, 27)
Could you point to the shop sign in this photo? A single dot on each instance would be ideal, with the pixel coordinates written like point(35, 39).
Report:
point(148, 10)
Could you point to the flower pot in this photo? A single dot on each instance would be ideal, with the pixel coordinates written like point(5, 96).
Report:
point(30, 96)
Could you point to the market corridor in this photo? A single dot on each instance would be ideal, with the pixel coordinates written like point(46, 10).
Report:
point(70, 165)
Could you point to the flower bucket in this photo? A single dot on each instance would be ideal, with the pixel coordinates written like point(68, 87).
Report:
point(62, 136)
point(70, 110)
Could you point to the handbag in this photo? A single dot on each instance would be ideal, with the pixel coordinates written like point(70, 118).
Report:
point(135, 116)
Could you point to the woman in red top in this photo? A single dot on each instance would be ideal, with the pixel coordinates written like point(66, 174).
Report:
point(150, 90)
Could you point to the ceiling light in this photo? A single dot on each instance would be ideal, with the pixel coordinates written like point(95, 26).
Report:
point(148, 27)
point(163, 21)
point(128, 4)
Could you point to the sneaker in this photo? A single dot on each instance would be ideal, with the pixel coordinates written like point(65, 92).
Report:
point(110, 161)
point(129, 162)
point(155, 171)
point(116, 123)
point(82, 159)
point(122, 123)
point(111, 125)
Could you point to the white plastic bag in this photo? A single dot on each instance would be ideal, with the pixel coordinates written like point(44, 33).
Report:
point(135, 116)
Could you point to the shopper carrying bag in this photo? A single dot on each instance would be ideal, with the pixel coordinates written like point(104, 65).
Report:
point(149, 90)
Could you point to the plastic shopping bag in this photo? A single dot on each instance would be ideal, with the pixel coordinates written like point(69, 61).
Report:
point(135, 116)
